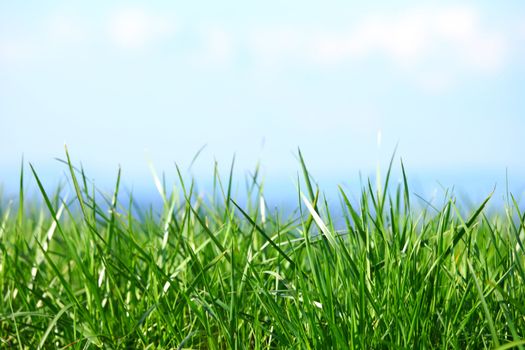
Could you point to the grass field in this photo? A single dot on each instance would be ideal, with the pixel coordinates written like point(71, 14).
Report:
point(91, 270)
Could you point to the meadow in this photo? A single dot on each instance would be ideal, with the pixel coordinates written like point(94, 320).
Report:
point(95, 270)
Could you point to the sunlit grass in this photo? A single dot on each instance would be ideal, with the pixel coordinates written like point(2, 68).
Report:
point(89, 270)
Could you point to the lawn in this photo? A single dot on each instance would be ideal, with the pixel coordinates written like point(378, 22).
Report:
point(92, 270)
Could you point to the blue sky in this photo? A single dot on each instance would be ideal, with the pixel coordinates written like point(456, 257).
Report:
point(128, 82)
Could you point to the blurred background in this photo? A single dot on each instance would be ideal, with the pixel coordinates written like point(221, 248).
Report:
point(128, 83)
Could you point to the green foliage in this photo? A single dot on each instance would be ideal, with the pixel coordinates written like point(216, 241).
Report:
point(210, 273)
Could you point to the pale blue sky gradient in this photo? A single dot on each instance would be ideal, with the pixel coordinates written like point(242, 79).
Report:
point(126, 82)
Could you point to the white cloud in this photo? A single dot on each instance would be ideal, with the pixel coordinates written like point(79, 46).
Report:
point(437, 40)
point(456, 36)
point(434, 81)
point(60, 34)
point(456, 23)
point(402, 39)
point(486, 53)
point(15, 50)
point(66, 30)
point(44, 41)
point(485, 50)
point(403, 42)
point(409, 38)
point(218, 45)
point(54, 37)
point(275, 45)
point(134, 28)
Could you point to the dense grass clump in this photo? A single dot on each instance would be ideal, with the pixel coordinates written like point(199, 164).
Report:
point(89, 271)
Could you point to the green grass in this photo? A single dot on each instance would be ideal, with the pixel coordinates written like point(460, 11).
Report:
point(89, 270)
